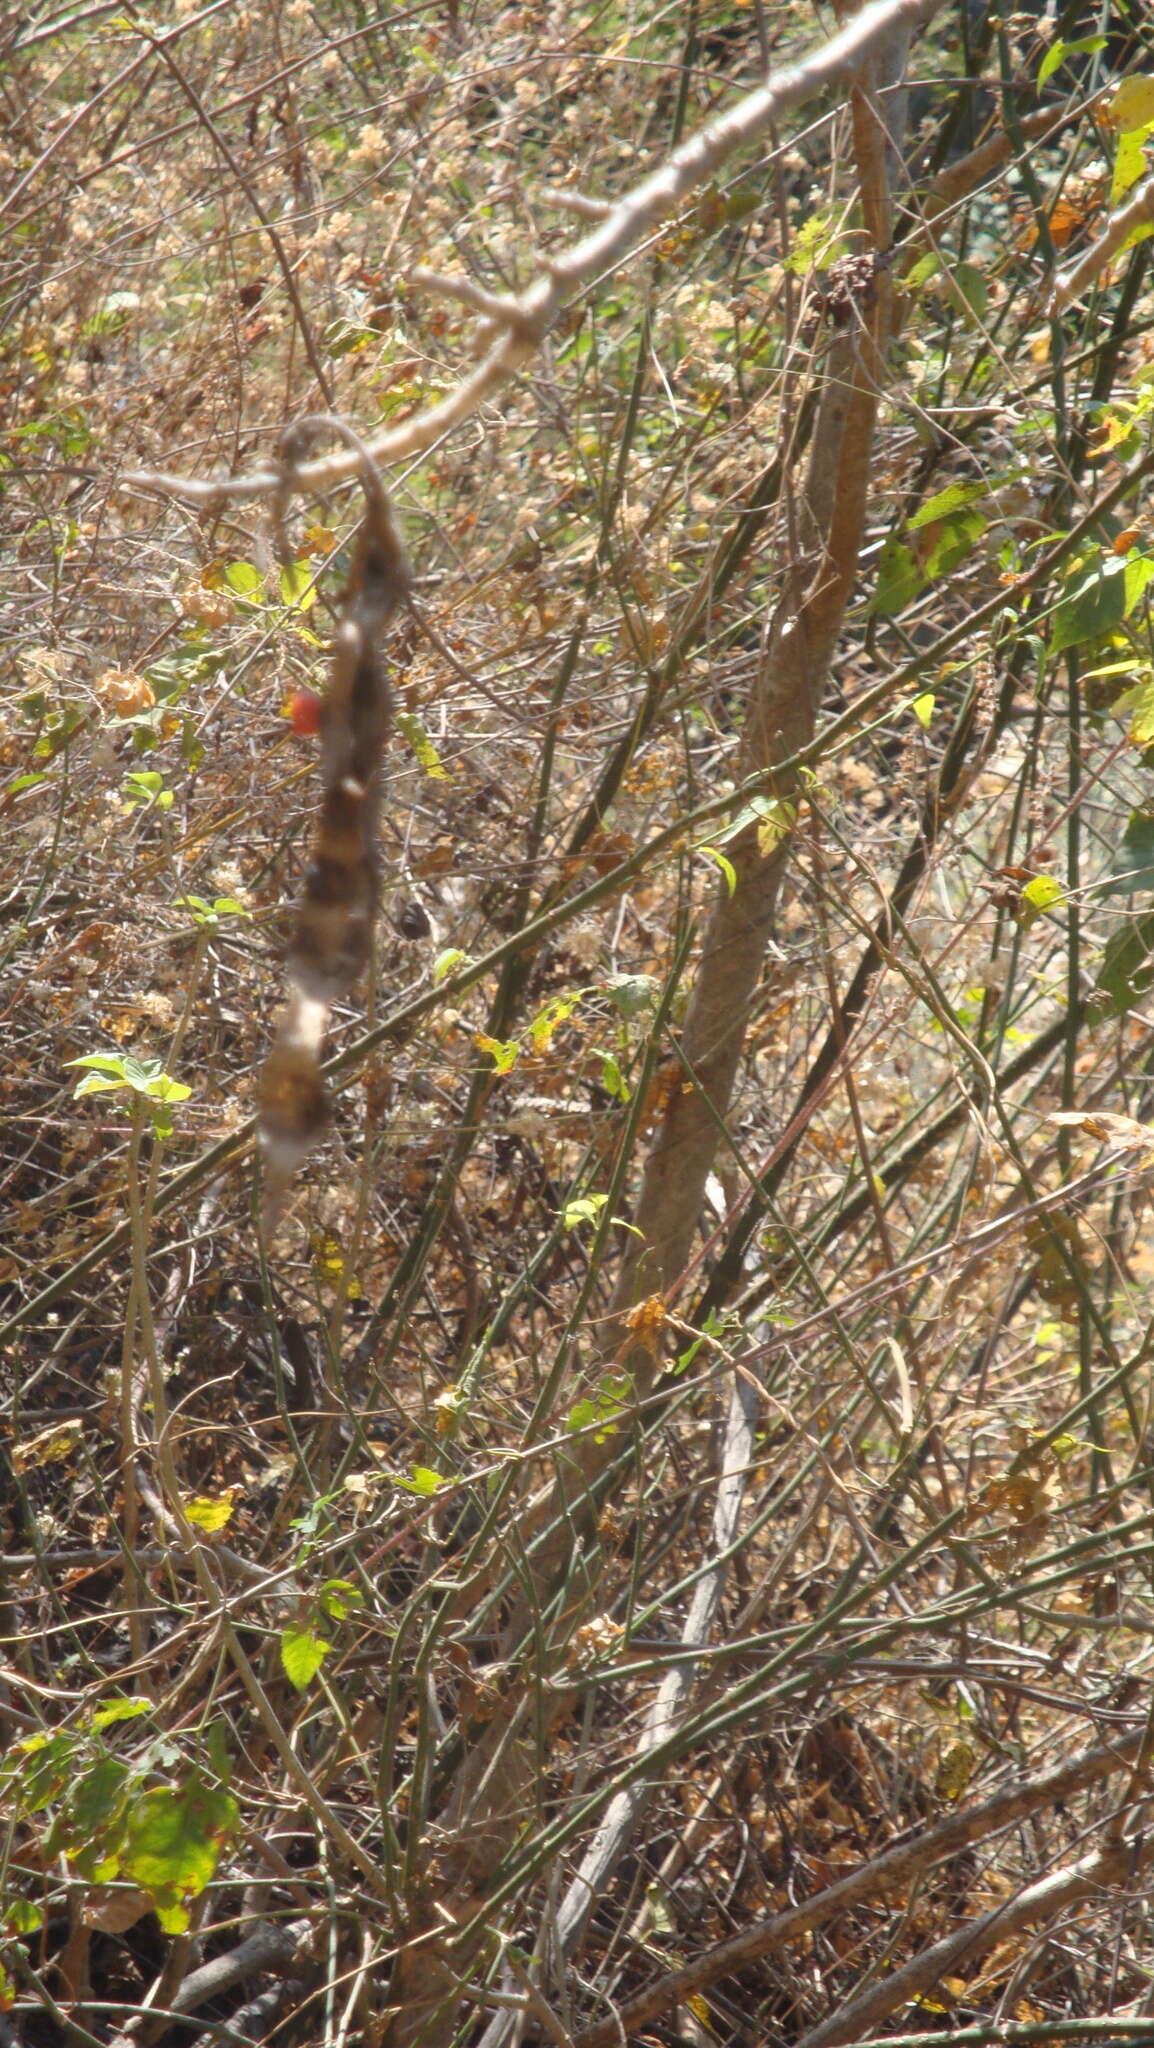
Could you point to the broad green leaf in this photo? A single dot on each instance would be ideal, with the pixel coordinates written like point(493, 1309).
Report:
point(954, 498)
point(18, 1917)
point(612, 1078)
point(582, 1209)
point(924, 269)
point(954, 539)
point(1126, 975)
point(1094, 606)
point(338, 1597)
point(95, 1829)
point(1044, 893)
point(1137, 572)
point(172, 1843)
point(1129, 164)
point(969, 289)
point(297, 586)
point(144, 786)
point(422, 1480)
point(1139, 702)
point(302, 1653)
point(814, 246)
point(776, 824)
point(40, 1768)
point(245, 579)
point(1132, 868)
point(899, 579)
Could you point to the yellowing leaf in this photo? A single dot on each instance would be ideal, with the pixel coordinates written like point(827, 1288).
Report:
point(422, 746)
point(48, 1447)
point(502, 1052)
point(1043, 892)
point(774, 825)
point(923, 708)
point(954, 1771)
point(1133, 104)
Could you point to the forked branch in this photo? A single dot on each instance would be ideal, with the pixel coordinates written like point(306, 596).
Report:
point(519, 323)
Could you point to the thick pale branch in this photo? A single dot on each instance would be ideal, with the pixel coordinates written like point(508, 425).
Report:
point(602, 251)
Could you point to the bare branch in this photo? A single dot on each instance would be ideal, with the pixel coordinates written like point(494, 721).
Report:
point(875, 1879)
point(599, 253)
point(1069, 284)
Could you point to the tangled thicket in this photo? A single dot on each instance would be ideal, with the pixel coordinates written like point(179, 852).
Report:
point(656, 1544)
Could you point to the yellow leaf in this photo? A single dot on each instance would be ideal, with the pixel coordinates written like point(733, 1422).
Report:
point(210, 1512)
point(1133, 104)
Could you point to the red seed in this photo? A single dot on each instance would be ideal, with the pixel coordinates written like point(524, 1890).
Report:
point(304, 708)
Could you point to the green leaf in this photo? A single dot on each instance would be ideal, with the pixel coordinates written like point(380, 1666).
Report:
point(968, 288)
point(114, 1711)
point(245, 579)
point(612, 1078)
point(1058, 52)
point(40, 1768)
point(144, 786)
point(729, 872)
point(582, 1209)
point(210, 914)
point(422, 1480)
point(899, 579)
point(1137, 571)
point(172, 1844)
point(414, 732)
point(775, 825)
point(19, 1917)
point(297, 585)
point(302, 1653)
point(924, 269)
point(1044, 893)
point(94, 1834)
point(952, 499)
point(955, 539)
point(447, 962)
point(1126, 975)
point(1093, 606)
point(106, 1071)
point(814, 246)
point(1132, 868)
point(338, 1597)
point(1139, 702)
